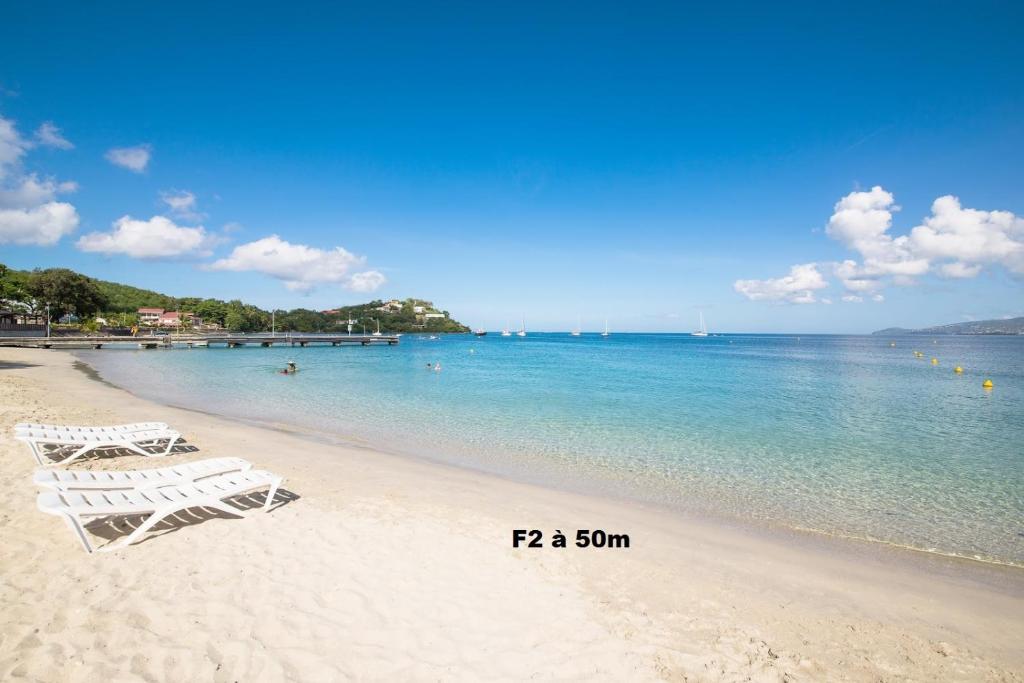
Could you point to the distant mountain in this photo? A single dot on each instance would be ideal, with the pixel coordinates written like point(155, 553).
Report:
point(1008, 326)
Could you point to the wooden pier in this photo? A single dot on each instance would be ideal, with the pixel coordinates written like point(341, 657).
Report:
point(193, 341)
point(232, 341)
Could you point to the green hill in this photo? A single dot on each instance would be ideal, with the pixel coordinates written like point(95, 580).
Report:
point(70, 292)
point(409, 315)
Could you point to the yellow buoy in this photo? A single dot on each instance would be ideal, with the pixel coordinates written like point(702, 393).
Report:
point(987, 384)
point(935, 361)
point(958, 370)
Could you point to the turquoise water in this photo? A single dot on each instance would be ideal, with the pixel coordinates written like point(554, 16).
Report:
point(843, 435)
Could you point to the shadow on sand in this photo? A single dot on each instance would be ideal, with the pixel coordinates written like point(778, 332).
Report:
point(16, 365)
point(113, 528)
point(58, 453)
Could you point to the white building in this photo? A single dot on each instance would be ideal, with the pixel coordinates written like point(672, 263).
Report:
point(150, 316)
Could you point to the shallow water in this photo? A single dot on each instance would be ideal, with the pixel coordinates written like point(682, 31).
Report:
point(840, 434)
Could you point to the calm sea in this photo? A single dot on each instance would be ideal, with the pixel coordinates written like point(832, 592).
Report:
point(839, 434)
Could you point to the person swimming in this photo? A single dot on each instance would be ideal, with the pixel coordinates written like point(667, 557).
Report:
point(290, 368)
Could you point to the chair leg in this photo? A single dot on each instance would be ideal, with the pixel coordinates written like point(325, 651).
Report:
point(156, 517)
point(79, 530)
point(170, 444)
point(77, 454)
point(35, 451)
point(132, 446)
point(271, 493)
point(223, 507)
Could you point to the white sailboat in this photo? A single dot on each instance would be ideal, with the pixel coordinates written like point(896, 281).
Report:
point(522, 330)
point(703, 331)
point(605, 333)
point(505, 332)
point(377, 333)
point(576, 332)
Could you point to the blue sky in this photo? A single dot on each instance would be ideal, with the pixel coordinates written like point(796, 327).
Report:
point(638, 162)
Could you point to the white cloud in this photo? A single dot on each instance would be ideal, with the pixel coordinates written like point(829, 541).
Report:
point(41, 225)
point(12, 147)
point(798, 287)
point(49, 135)
point(970, 238)
point(182, 204)
point(861, 221)
point(29, 211)
point(960, 270)
point(135, 159)
point(29, 191)
point(852, 298)
point(300, 267)
point(367, 281)
point(157, 238)
point(953, 242)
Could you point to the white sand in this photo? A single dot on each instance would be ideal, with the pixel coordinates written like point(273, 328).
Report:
point(386, 568)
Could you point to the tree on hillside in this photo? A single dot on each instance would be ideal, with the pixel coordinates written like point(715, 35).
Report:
point(212, 311)
point(12, 285)
point(301, 320)
point(241, 317)
point(65, 291)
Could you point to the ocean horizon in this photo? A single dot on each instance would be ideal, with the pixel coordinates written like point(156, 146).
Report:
point(843, 435)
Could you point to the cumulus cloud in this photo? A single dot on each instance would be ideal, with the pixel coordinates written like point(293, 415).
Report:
point(367, 281)
point(156, 238)
point(301, 267)
point(29, 191)
point(967, 239)
point(797, 288)
point(861, 221)
point(29, 211)
point(952, 242)
point(49, 135)
point(135, 159)
point(40, 226)
point(12, 147)
point(182, 204)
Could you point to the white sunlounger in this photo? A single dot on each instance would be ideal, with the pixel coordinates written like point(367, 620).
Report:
point(89, 441)
point(112, 480)
point(155, 503)
point(132, 427)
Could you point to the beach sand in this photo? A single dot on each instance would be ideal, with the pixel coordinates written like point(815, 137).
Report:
point(380, 567)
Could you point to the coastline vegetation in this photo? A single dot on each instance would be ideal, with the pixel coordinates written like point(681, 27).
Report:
point(68, 293)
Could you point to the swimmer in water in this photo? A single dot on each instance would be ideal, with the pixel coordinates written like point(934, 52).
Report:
point(290, 368)
point(437, 367)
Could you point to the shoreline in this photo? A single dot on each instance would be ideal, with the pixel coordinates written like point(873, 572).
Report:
point(689, 598)
point(783, 532)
